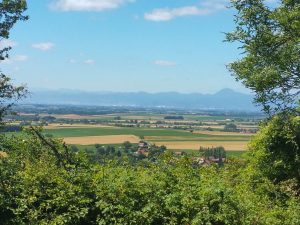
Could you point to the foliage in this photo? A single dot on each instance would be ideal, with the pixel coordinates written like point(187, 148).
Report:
point(215, 152)
point(11, 11)
point(127, 145)
point(9, 94)
point(36, 188)
point(231, 127)
point(275, 151)
point(40, 185)
point(156, 151)
point(269, 38)
point(43, 181)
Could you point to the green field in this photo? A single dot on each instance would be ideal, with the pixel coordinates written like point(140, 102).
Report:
point(162, 133)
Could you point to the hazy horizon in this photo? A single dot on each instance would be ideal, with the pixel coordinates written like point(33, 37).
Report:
point(224, 99)
point(37, 89)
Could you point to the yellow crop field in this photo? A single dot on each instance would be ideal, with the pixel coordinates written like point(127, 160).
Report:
point(171, 138)
point(109, 139)
point(195, 145)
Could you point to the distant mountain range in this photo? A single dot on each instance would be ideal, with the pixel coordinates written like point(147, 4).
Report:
point(225, 99)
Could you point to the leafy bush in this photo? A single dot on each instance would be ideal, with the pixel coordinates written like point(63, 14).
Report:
point(275, 151)
point(41, 186)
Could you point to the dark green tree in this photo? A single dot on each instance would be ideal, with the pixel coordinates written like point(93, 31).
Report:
point(127, 145)
point(270, 63)
point(119, 154)
point(156, 151)
point(74, 148)
point(270, 66)
point(275, 151)
point(230, 127)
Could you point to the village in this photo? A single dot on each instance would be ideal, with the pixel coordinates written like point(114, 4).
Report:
point(207, 156)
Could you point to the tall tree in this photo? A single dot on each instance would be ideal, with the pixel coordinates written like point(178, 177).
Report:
point(270, 63)
point(11, 11)
point(270, 66)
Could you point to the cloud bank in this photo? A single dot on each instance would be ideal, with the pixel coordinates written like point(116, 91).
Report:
point(16, 58)
point(87, 5)
point(44, 46)
point(204, 8)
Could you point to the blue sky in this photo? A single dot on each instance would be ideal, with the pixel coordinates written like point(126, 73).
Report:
point(124, 45)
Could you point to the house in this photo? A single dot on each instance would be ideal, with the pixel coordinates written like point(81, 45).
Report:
point(180, 153)
point(142, 152)
point(143, 149)
point(143, 144)
point(202, 161)
point(216, 160)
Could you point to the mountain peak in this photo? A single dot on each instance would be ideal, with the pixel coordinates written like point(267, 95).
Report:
point(226, 91)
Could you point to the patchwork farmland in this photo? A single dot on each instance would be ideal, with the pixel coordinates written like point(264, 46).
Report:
point(177, 130)
point(172, 139)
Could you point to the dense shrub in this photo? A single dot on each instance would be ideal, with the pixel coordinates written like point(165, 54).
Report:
point(275, 150)
point(39, 186)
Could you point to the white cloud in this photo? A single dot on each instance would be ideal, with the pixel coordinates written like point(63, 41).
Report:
point(90, 62)
point(87, 5)
point(16, 58)
point(205, 8)
point(164, 63)
point(45, 46)
point(4, 43)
